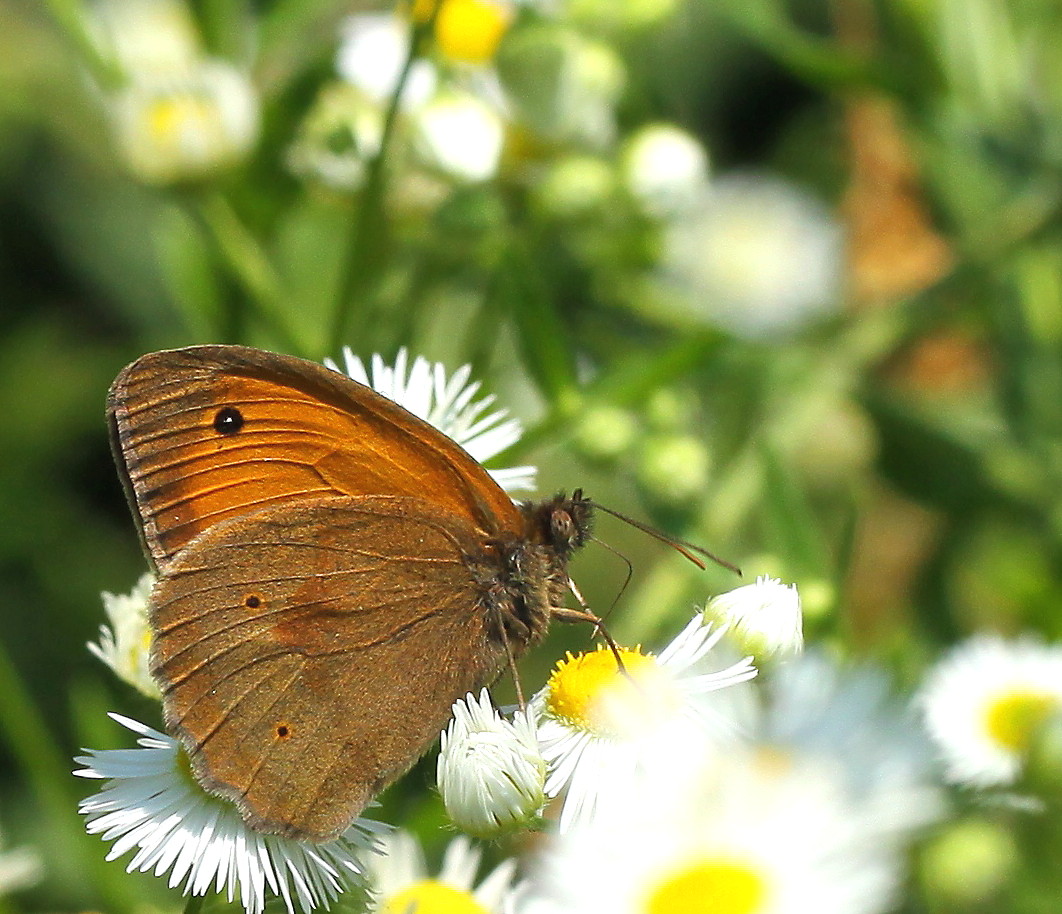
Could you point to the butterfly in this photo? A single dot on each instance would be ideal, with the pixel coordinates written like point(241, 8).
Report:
point(332, 574)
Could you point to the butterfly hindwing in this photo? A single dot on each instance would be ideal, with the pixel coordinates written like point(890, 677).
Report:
point(306, 666)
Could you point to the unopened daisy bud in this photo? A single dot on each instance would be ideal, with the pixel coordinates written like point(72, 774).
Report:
point(491, 773)
point(125, 646)
point(605, 433)
point(673, 470)
point(764, 618)
point(574, 187)
point(966, 864)
point(664, 168)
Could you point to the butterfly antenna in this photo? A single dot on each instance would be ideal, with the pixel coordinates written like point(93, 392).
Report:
point(630, 572)
point(684, 547)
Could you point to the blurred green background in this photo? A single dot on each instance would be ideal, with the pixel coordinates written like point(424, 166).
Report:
point(828, 349)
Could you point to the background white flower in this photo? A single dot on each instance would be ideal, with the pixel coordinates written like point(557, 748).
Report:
point(182, 126)
point(983, 702)
point(815, 708)
point(748, 833)
point(460, 135)
point(757, 256)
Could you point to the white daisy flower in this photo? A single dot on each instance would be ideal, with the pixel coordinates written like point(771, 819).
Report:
point(448, 405)
point(984, 702)
point(763, 619)
point(460, 135)
point(491, 773)
point(150, 802)
point(371, 56)
point(601, 731)
point(749, 836)
point(182, 126)
point(817, 710)
point(400, 882)
point(125, 646)
point(664, 168)
point(757, 256)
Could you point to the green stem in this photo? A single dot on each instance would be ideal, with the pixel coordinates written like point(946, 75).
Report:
point(365, 245)
point(194, 904)
point(69, 15)
point(46, 770)
point(248, 264)
point(44, 766)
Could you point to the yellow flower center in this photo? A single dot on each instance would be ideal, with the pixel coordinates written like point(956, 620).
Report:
point(589, 692)
point(709, 887)
point(1013, 718)
point(170, 115)
point(431, 897)
point(468, 31)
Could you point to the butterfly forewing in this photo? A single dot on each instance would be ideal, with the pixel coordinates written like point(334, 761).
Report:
point(209, 433)
point(305, 667)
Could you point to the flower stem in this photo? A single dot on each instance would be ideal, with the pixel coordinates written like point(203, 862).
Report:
point(43, 765)
point(70, 17)
point(247, 263)
point(366, 242)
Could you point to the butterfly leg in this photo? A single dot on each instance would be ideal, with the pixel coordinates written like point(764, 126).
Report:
point(565, 614)
point(512, 669)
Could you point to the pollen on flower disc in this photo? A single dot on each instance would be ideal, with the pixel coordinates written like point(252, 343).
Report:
point(590, 693)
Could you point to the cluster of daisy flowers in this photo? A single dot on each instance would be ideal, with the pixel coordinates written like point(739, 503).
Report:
point(663, 782)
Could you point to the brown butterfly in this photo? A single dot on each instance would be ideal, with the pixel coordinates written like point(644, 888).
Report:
point(333, 573)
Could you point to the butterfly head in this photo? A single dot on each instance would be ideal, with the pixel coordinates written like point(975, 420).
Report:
point(561, 522)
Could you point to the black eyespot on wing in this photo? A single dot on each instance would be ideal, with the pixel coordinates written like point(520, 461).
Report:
point(228, 420)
